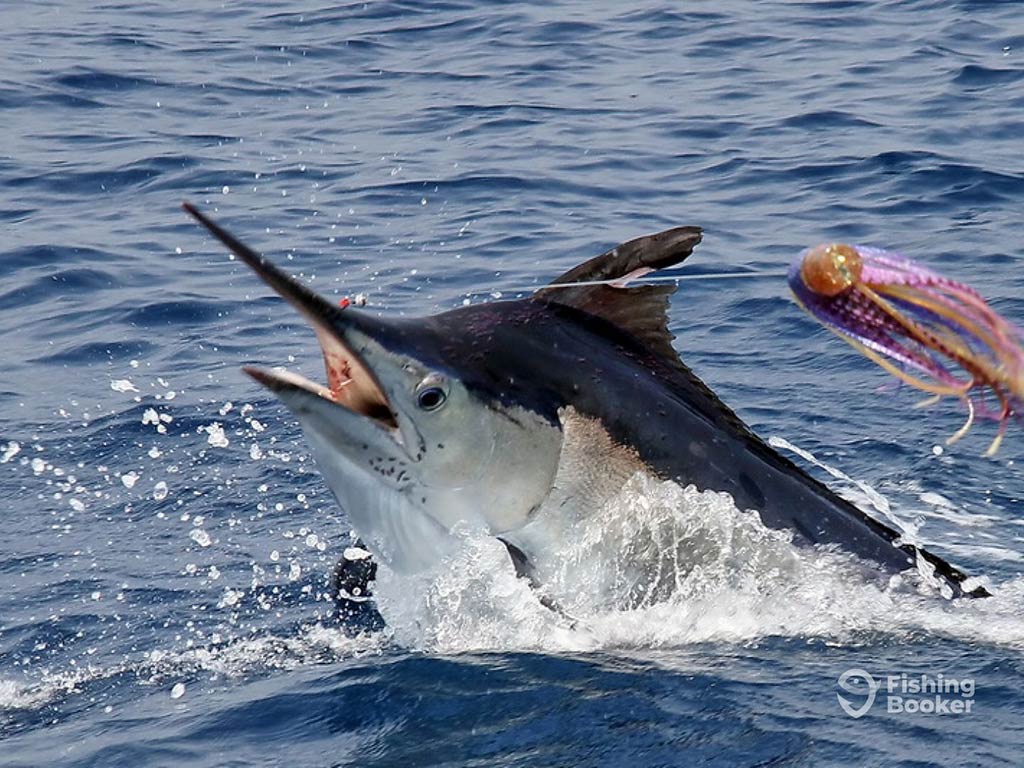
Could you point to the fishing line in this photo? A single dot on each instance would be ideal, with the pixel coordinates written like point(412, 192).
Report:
point(617, 282)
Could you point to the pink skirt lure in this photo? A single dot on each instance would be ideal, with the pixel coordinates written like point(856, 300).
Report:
point(931, 332)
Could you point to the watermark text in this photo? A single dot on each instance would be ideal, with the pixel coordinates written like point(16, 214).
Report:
point(924, 693)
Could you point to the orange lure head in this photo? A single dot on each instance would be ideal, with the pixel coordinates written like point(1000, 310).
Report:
point(831, 269)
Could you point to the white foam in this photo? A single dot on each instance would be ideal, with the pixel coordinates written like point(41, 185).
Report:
point(313, 644)
point(688, 567)
point(15, 695)
point(10, 450)
point(215, 435)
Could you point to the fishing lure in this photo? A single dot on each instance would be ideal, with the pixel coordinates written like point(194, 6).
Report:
point(933, 333)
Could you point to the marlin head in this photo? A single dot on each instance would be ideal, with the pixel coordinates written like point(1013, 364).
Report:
point(406, 443)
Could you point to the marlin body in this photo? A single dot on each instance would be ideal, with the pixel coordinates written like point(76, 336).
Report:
point(521, 417)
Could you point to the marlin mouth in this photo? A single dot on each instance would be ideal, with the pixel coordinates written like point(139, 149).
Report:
point(351, 383)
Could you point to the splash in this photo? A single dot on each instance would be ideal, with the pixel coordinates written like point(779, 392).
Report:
point(314, 644)
point(686, 567)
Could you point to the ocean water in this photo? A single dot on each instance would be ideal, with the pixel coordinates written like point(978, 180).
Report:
point(165, 539)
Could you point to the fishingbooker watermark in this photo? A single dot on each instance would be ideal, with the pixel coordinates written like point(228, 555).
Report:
point(938, 694)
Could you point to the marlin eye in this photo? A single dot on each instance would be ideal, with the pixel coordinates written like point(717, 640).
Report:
point(431, 398)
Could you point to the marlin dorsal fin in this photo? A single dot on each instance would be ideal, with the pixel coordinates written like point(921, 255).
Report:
point(642, 311)
point(637, 257)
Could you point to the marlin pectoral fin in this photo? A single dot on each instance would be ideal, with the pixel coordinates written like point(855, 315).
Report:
point(525, 570)
point(522, 564)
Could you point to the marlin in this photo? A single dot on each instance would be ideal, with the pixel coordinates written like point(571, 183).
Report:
point(520, 417)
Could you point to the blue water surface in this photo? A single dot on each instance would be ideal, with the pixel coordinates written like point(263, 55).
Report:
point(166, 540)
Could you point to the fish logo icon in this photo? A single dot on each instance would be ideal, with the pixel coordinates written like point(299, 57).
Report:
point(853, 681)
